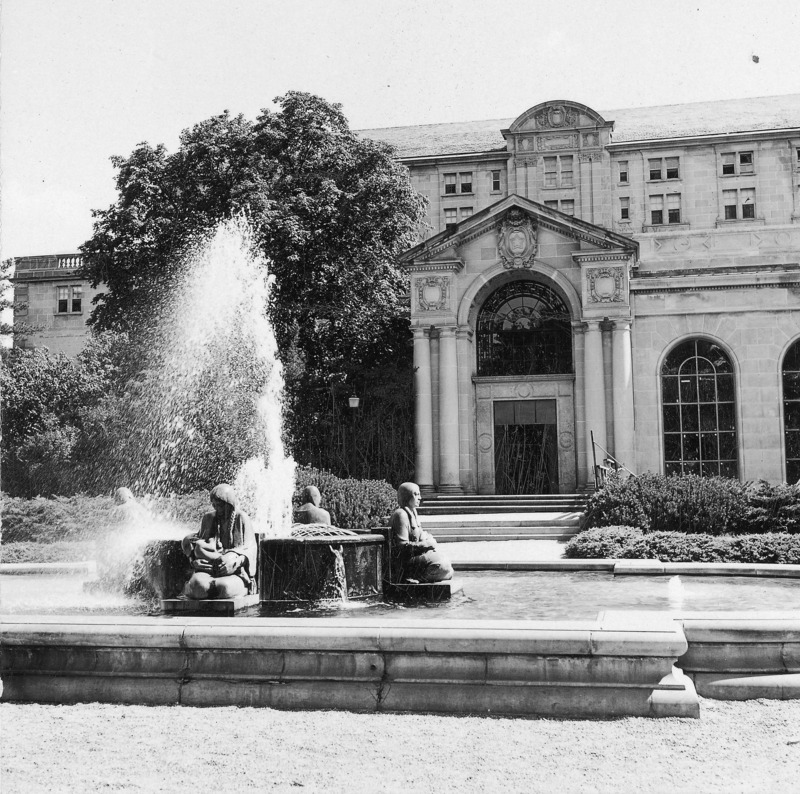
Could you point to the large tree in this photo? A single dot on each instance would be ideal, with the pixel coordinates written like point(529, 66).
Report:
point(330, 210)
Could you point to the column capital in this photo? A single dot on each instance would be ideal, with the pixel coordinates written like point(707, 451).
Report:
point(447, 330)
point(590, 325)
point(419, 333)
point(464, 332)
point(623, 323)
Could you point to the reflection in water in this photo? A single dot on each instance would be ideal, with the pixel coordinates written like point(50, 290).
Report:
point(487, 596)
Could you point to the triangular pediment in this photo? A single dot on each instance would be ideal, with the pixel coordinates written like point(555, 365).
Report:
point(444, 247)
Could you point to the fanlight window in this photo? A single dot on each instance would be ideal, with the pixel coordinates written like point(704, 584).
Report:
point(524, 329)
point(699, 410)
point(791, 411)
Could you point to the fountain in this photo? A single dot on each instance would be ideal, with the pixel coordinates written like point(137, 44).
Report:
point(617, 663)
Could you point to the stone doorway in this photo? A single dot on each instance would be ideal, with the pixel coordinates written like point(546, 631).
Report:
point(525, 447)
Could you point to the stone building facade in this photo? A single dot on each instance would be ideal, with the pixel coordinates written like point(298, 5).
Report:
point(622, 284)
point(51, 296)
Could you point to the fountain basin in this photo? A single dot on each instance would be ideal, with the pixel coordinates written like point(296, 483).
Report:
point(301, 571)
point(617, 665)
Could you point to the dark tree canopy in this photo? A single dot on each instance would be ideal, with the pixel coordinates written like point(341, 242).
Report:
point(329, 209)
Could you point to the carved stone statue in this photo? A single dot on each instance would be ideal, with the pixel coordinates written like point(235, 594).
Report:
point(415, 556)
point(223, 553)
point(310, 512)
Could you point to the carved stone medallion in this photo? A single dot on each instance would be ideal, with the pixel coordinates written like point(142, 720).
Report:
point(557, 116)
point(605, 284)
point(517, 242)
point(433, 293)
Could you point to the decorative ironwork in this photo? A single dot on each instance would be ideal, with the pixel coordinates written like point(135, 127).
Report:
point(699, 411)
point(524, 329)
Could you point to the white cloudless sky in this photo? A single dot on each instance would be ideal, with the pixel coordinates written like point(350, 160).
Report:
point(86, 79)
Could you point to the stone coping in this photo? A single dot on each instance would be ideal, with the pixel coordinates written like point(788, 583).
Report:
point(638, 567)
point(659, 636)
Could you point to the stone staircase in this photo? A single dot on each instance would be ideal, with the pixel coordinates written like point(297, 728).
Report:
point(527, 517)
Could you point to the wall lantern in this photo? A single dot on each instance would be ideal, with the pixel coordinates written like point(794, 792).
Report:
point(354, 401)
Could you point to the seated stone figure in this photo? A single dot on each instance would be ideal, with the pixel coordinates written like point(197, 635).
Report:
point(310, 512)
point(415, 554)
point(223, 552)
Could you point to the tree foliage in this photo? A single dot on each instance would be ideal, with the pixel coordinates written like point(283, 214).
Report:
point(329, 209)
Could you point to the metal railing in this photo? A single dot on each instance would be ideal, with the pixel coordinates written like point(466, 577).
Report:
point(609, 465)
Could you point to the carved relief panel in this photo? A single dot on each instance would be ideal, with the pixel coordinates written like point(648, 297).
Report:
point(517, 240)
point(433, 293)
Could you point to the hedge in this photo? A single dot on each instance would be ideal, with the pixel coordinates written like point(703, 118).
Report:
point(60, 551)
point(353, 504)
point(623, 542)
point(693, 504)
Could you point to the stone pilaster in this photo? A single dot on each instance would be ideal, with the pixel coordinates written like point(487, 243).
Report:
point(594, 388)
point(449, 479)
point(423, 413)
point(623, 393)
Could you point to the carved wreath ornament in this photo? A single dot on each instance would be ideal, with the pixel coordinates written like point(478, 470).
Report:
point(517, 244)
point(557, 116)
point(433, 293)
point(605, 284)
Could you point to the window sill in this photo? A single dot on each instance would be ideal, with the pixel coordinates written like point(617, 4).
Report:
point(558, 187)
point(740, 221)
point(749, 174)
point(67, 314)
point(659, 181)
point(457, 196)
point(664, 227)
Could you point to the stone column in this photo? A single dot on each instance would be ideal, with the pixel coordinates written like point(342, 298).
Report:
point(423, 411)
point(623, 394)
point(449, 481)
point(466, 409)
point(594, 389)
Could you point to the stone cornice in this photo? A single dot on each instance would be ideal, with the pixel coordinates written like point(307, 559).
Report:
point(618, 255)
point(455, 159)
point(435, 266)
point(688, 281)
point(703, 140)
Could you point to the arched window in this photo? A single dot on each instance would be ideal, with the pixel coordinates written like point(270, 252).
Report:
point(791, 411)
point(699, 409)
point(524, 329)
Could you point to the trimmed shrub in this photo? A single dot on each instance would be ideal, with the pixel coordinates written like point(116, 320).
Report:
point(632, 543)
point(693, 504)
point(353, 504)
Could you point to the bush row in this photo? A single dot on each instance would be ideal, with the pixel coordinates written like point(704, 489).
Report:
point(632, 543)
point(61, 551)
point(351, 503)
point(354, 504)
point(709, 505)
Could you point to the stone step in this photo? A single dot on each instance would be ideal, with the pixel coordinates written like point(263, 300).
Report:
point(566, 507)
point(477, 520)
point(469, 537)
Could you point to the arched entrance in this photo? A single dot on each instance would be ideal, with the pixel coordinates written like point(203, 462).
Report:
point(524, 390)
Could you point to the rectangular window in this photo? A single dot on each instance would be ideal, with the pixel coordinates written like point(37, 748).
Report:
point(673, 171)
point(623, 172)
point(465, 181)
point(550, 171)
point(77, 296)
point(450, 216)
point(63, 300)
point(729, 203)
point(465, 212)
point(657, 210)
point(566, 170)
point(495, 181)
point(728, 164)
point(552, 204)
point(449, 183)
point(624, 209)
point(568, 207)
point(737, 163)
point(739, 204)
point(674, 208)
point(747, 198)
point(655, 168)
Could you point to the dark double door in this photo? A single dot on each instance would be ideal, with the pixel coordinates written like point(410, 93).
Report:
point(525, 447)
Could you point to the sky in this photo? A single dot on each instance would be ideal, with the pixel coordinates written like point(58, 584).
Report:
point(83, 80)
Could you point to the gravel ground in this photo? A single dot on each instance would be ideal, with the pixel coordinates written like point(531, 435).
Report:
point(752, 746)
